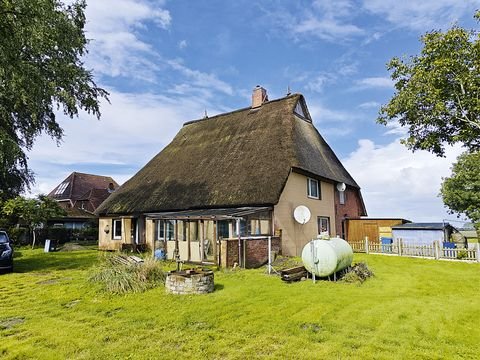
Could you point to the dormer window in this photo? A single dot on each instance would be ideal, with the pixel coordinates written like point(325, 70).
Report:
point(299, 110)
point(313, 188)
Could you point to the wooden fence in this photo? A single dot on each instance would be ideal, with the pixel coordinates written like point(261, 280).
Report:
point(434, 250)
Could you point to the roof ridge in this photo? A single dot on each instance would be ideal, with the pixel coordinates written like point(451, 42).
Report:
point(89, 174)
point(72, 182)
point(241, 109)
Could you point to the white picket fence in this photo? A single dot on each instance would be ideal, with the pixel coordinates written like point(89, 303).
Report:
point(434, 250)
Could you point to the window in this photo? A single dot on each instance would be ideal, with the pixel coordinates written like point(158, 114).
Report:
point(117, 229)
point(323, 225)
point(341, 195)
point(3, 238)
point(222, 229)
point(299, 110)
point(313, 188)
point(165, 230)
point(243, 228)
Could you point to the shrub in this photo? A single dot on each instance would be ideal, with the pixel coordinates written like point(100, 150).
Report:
point(19, 236)
point(118, 278)
point(58, 234)
point(357, 273)
point(462, 254)
point(150, 271)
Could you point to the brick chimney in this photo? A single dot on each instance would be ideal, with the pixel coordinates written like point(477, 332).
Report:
point(259, 96)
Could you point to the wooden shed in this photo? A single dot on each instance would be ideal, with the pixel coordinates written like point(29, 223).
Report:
point(375, 228)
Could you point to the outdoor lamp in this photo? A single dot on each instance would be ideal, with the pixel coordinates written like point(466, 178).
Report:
point(107, 229)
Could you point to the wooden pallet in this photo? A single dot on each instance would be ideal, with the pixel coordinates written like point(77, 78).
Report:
point(294, 274)
point(127, 260)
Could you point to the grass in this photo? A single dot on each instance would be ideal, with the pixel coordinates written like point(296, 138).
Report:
point(119, 278)
point(410, 309)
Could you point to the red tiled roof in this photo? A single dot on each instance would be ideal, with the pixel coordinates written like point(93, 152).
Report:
point(85, 187)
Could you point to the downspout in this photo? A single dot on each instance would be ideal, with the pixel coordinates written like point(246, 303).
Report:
point(244, 254)
point(176, 252)
point(239, 244)
point(273, 221)
point(154, 238)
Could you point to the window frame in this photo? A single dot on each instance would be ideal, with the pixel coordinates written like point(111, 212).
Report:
point(115, 227)
point(244, 228)
point(223, 227)
point(168, 233)
point(309, 188)
point(319, 219)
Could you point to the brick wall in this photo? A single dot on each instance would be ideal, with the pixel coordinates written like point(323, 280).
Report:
point(256, 251)
point(229, 253)
point(351, 209)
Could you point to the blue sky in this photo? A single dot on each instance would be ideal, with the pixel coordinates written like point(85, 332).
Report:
point(166, 62)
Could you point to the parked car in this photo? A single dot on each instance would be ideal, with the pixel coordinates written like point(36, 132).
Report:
point(6, 252)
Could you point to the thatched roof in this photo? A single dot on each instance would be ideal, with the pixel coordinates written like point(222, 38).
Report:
point(241, 158)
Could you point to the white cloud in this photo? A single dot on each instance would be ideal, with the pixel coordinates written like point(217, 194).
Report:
point(373, 37)
point(421, 15)
point(334, 21)
point(369, 105)
point(332, 123)
point(200, 79)
point(182, 44)
point(317, 83)
point(117, 49)
point(398, 183)
point(346, 69)
point(394, 128)
point(330, 21)
point(326, 28)
point(116, 15)
point(374, 82)
point(322, 114)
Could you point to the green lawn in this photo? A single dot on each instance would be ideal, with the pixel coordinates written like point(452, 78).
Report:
point(411, 309)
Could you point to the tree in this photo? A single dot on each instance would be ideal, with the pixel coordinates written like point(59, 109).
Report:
point(438, 92)
point(461, 191)
point(33, 212)
point(42, 43)
point(13, 169)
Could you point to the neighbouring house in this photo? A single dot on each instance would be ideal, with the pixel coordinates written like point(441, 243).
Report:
point(373, 228)
point(226, 182)
point(427, 233)
point(470, 234)
point(80, 195)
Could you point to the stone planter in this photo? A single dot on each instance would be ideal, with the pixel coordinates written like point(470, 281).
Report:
point(192, 281)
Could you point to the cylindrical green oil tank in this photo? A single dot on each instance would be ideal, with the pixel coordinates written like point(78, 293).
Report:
point(325, 257)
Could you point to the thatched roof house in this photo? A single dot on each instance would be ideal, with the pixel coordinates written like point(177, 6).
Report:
point(243, 158)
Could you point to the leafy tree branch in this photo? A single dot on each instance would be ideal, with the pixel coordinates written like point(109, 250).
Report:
point(42, 43)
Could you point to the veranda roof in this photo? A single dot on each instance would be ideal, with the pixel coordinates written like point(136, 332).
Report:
point(208, 214)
